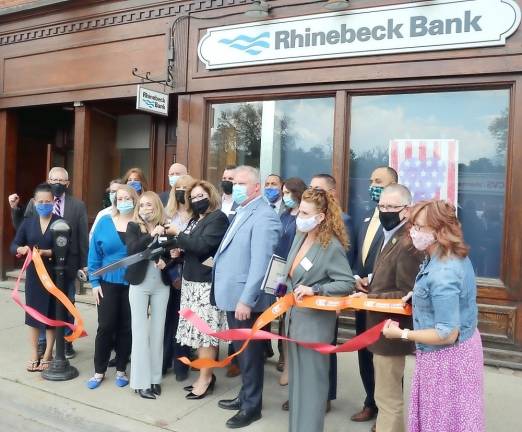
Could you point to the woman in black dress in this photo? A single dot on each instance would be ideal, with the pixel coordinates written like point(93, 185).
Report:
point(34, 231)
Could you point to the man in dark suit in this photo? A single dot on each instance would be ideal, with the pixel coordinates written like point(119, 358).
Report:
point(176, 170)
point(328, 183)
point(366, 248)
point(273, 193)
point(393, 277)
point(74, 212)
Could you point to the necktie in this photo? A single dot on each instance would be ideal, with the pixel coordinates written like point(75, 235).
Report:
point(57, 209)
point(373, 226)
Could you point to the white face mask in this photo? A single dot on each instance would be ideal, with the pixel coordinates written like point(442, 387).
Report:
point(306, 224)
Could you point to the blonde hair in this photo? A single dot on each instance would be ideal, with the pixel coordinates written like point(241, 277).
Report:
point(213, 195)
point(172, 206)
point(158, 213)
point(333, 224)
point(131, 191)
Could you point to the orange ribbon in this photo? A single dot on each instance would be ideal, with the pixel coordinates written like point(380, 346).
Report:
point(284, 304)
point(78, 329)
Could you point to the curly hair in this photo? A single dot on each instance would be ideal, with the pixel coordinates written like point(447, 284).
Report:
point(333, 224)
point(441, 216)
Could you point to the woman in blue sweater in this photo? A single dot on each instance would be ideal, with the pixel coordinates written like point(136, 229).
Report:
point(111, 290)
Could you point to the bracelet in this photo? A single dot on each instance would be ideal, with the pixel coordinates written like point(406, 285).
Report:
point(404, 335)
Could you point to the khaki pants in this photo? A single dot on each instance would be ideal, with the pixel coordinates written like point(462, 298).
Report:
point(389, 372)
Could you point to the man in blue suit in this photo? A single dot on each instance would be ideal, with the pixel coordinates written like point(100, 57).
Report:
point(239, 267)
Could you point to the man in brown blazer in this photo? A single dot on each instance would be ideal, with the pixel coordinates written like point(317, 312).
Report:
point(393, 277)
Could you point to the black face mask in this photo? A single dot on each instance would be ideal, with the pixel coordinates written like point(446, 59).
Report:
point(180, 196)
point(390, 220)
point(58, 189)
point(200, 207)
point(226, 186)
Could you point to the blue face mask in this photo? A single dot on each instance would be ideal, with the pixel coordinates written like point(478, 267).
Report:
point(272, 194)
point(44, 209)
point(125, 207)
point(289, 201)
point(112, 195)
point(136, 185)
point(375, 192)
point(239, 193)
point(173, 180)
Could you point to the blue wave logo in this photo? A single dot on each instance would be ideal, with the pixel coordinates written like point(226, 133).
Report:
point(150, 104)
point(250, 45)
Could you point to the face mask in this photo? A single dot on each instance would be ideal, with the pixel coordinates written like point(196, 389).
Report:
point(306, 224)
point(112, 195)
point(173, 180)
point(44, 209)
point(375, 192)
point(200, 207)
point(421, 240)
point(125, 207)
point(226, 187)
point(180, 196)
point(389, 220)
point(272, 195)
point(239, 193)
point(136, 185)
point(58, 189)
point(289, 201)
point(146, 216)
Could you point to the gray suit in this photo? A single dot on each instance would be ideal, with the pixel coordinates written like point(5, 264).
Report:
point(308, 383)
point(239, 267)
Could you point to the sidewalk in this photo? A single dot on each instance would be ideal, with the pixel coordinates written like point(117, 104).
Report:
point(27, 402)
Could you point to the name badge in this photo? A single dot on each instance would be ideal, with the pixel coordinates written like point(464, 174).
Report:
point(367, 219)
point(306, 264)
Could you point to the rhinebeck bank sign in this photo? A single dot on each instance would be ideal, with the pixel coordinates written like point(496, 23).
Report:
point(411, 27)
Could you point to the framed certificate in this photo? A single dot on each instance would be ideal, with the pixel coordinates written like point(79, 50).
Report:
point(274, 274)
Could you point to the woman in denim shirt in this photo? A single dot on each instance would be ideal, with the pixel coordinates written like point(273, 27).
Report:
point(447, 387)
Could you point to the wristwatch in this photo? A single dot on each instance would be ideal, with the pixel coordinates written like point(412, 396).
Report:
point(316, 288)
point(404, 335)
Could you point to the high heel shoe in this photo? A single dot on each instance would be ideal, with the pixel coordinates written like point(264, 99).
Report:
point(156, 389)
point(209, 390)
point(188, 388)
point(146, 393)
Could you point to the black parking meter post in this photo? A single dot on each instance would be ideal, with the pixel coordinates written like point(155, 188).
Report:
point(60, 368)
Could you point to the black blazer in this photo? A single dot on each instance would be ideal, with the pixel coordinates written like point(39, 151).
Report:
point(75, 214)
point(363, 270)
point(137, 241)
point(201, 244)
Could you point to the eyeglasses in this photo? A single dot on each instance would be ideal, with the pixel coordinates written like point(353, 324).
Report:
point(389, 208)
point(61, 181)
point(198, 197)
point(419, 228)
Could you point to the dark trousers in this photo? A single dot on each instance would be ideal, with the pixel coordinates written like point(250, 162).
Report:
point(332, 374)
point(365, 363)
point(114, 327)
point(172, 349)
point(251, 363)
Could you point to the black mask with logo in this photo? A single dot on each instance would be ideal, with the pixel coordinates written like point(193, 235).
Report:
point(180, 196)
point(200, 207)
point(58, 189)
point(226, 187)
point(390, 220)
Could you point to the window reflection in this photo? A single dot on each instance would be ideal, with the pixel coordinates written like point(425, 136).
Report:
point(478, 120)
point(286, 137)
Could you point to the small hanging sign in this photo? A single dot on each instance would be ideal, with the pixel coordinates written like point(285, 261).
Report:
point(152, 101)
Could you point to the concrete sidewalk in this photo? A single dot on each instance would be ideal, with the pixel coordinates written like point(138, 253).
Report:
point(27, 402)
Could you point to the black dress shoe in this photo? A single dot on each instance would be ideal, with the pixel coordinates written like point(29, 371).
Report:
point(182, 376)
point(156, 389)
point(69, 351)
point(230, 404)
point(209, 390)
point(188, 388)
point(242, 418)
point(146, 393)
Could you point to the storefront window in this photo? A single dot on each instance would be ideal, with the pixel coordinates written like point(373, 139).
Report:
point(286, 137)
point(133, 142)
point(459, 138)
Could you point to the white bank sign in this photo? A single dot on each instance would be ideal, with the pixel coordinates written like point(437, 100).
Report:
point(410, 27)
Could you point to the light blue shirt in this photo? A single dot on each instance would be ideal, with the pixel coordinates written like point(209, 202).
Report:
point(389, 234)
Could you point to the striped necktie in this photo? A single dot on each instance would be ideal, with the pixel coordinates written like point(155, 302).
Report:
point(57, 209)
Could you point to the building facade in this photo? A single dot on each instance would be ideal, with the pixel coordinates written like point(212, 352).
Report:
point(436, 85)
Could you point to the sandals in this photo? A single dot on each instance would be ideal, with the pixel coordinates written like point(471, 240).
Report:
point(44, 364)
point(33, 366)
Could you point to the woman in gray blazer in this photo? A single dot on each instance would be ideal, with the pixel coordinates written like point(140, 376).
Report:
point(316, 265)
